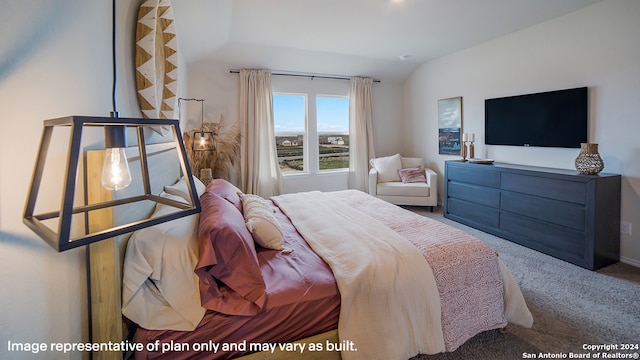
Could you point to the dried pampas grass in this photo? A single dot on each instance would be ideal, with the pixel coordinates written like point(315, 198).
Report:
point(223, 161)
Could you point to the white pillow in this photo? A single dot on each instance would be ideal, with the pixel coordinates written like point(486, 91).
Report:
point(387, 167)
point(181, 189)
point(261, 222)
point(160, 289)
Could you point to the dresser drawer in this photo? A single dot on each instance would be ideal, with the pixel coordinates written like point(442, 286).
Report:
point(556, 212)
point(474, 176)
point(556, 238)
point(474, 212)
point(564, 190)
point(476, 194)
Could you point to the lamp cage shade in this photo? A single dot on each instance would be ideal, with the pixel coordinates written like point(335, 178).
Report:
point(72, 223)
point(203, 141)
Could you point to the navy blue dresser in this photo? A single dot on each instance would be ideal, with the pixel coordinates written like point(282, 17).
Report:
point(559, 212)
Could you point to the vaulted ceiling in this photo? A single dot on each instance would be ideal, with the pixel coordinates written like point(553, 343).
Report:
point(387, 39)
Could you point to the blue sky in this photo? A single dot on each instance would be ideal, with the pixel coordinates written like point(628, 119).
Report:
point(333, 113)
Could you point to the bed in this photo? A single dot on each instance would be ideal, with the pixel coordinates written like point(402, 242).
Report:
point(313, 275)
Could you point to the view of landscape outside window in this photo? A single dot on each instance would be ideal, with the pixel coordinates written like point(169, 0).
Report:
point(332, 130)
point(332, 115)
point(289, 113)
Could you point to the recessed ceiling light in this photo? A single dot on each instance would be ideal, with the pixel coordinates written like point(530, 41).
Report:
point(403, 57)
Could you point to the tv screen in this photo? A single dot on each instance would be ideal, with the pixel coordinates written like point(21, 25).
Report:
point(549, 119)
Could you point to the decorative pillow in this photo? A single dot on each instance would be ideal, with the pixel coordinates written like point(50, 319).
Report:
point(230, 278)
point(411, 175)
point(181, 189)
point(227, 191)
point(160, 290)
point(387, 167)
point(261, 222)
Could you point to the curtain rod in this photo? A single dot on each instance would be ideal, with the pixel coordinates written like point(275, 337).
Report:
point(308, 75)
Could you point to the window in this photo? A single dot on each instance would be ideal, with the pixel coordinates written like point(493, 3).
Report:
point(332, 120)
point(289, 116)
point(305, 123)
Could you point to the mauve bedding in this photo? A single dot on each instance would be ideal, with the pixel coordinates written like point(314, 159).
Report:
point(302, 300)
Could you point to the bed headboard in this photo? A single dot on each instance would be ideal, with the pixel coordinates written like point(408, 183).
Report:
point(105, 258)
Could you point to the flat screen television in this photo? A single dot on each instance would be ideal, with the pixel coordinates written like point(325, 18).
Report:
point(548, 119)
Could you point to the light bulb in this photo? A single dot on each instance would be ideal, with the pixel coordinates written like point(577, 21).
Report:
point(202, 142)
point(115, 169)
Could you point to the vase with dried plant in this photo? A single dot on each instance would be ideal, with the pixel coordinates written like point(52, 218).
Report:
point(224, 159)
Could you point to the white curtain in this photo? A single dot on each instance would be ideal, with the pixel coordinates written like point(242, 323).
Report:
point(259, 170)
point(360, 132)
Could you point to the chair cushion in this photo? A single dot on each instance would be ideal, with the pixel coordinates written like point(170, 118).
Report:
point(387, 167)
point(403, 189)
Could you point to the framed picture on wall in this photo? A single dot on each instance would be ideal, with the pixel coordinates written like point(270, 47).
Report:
point(449, 125)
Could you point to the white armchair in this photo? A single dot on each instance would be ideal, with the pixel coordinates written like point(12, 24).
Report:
point(385, 182)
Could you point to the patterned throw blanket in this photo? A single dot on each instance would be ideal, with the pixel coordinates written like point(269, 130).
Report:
point(466, 270)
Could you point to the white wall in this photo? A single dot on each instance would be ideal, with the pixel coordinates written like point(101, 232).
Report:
point(211, 80)
point(594, 47)
point(55, 61)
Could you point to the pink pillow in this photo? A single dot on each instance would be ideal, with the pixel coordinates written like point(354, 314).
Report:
point(230, 280)
point(411, 175)
point(227, 191)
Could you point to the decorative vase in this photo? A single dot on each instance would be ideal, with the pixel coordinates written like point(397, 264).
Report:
point(206, 176)
point(589, 161)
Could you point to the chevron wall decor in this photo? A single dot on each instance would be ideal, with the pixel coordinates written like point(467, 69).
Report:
point(156, 60)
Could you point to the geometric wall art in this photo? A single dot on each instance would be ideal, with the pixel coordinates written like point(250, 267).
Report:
point(156, 60)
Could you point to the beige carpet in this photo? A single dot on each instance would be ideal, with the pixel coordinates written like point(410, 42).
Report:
point(571, 306)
